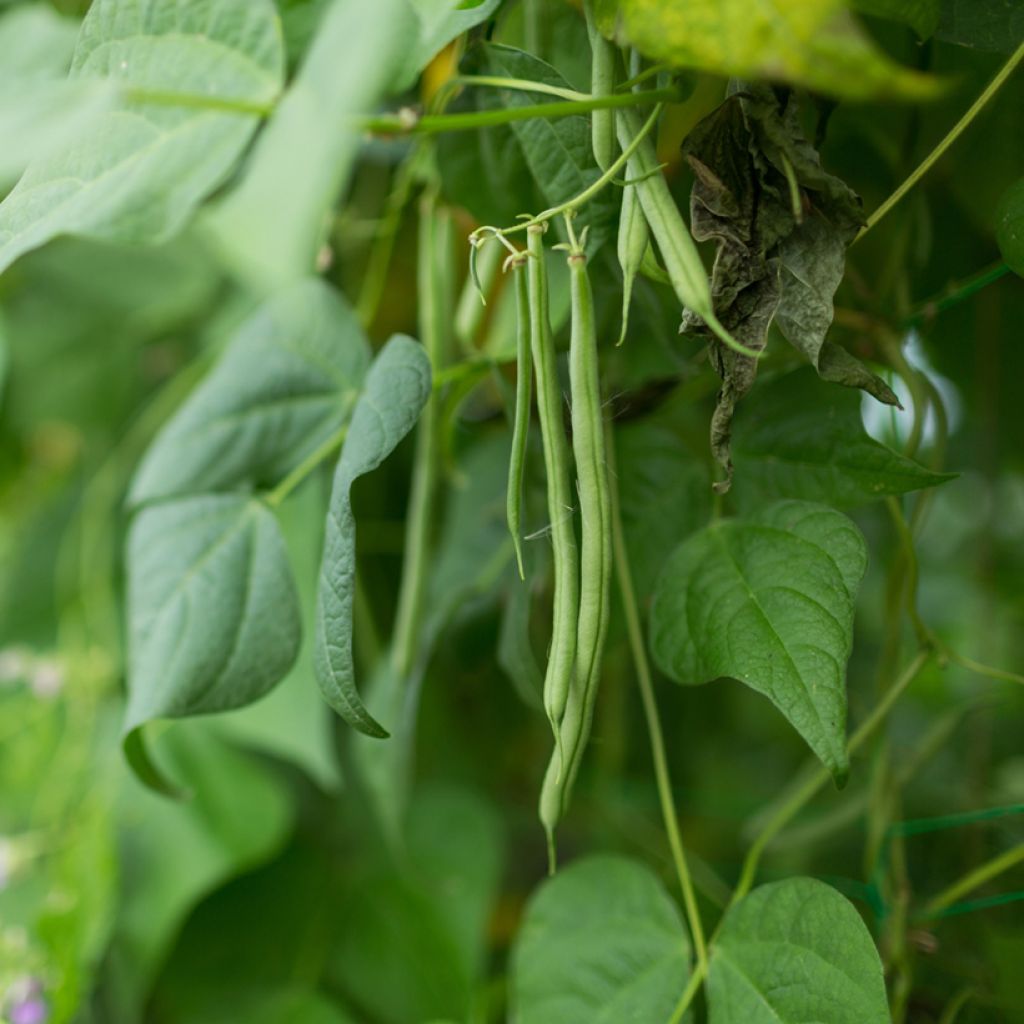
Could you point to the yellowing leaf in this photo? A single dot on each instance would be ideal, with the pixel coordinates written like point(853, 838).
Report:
point(815, 43)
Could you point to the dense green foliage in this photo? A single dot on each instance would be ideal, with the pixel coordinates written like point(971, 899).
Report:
point(416, 417)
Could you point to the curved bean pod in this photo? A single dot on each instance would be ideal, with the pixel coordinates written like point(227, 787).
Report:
point(521, 423)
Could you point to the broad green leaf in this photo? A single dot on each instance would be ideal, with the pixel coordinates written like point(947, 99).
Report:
point(277, 1006)
point(271, 228)
point(792, 952)
point(921, 15)
point(440, 21)
point(996, 25)
point(601, 942)
point(799, 439)
point(559, 153)
point(172, 853)
point(1010, 227)
point(40, 109)
point(813, 43)
point(428, 923)
point(213, 615)
point(768, 600)
point(666, 496)
point(284, 386)
point(194, 77)
point(292, 722)
point(396, 389)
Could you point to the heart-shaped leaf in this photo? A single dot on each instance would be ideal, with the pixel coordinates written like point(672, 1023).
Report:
point(795, 951)
point(602, 942)
point(768, 600)
point(285, 384)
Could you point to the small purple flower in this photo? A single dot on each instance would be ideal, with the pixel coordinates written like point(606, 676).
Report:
point(27, 1005)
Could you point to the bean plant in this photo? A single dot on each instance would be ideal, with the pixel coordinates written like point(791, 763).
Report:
point(512, 511)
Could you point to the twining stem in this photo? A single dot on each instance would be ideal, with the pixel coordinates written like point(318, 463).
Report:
point(643, 674)
point(405, 124)
point(522, 85)
point(955, 294)
point(954, 133)
point(306, 466)
point(973, 880)
point(434, 303)
point(817, 781)
point(692, 987)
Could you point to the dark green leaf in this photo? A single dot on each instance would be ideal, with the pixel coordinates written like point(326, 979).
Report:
point(768, 600)
point(213, 614)
point(147, 164)
point(1010, 227)
point(285, 384)
point(792, 952)
point(601, 941)
point(798, 439)
point(996, 25)
point(396, 388)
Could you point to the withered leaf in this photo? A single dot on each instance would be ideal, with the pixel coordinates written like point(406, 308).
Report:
point(782, 225)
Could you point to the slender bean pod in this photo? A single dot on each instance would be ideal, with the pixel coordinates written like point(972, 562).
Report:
point(678, 250)
point(602, 83)
point(521, 424)
point(588, 441)
point(469, 313)
point(562, 654)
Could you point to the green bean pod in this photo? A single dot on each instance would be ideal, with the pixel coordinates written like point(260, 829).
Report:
point(565, 557)
point(588, 440)
point(633, 242)
point(521, 423)
point(602, 83)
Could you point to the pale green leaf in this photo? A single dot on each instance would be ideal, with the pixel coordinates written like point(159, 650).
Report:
point(213, 615)
point(921, 15)
point(193, 78)
point(396, 389)
point(800, 439)
point(601, 943)
point(285, 384)
point(768, 600)
point(271, 228)
point(793, 952)
point(814, 43)
point(441, 21)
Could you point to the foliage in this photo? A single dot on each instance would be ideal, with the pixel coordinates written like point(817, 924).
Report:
point(277, 278)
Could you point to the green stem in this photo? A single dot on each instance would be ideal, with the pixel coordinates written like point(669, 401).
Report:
point(692, 987)
point(807, 791)
point(955, 294)
point(306, 466)
point(406, 124)
point(522, 85)
point(663, 780)
point(954, 133)
point(974, 880)
point(588, 193)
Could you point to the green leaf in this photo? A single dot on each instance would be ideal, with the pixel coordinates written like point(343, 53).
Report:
point(194, 77)
point(40, 109)
point(441, 21)
point(921, 15)
point(172, 853)
point(795, 951)
point(799, 439)
point(285, 384)
point(601, 941)
point(813, 43)
point(428, 923)
point(397, 387)
point(271, 228)
point(996, 25)
point(768, 600)
point(559, 153)
point(1010, 227)
point(213, 615)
